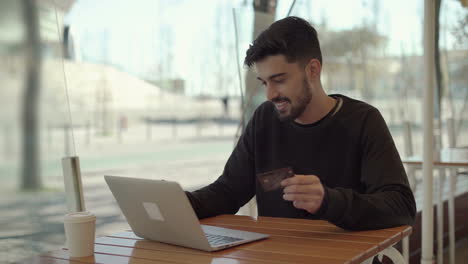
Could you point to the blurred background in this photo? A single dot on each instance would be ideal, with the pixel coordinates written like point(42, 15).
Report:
point(157, 89)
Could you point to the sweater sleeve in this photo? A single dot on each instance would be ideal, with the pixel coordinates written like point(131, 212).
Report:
point(387, 200)
point(235, 187)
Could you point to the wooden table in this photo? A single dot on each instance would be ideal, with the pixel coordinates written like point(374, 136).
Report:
point(291, 241)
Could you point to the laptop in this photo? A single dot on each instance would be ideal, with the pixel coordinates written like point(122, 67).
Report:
point(160, 210)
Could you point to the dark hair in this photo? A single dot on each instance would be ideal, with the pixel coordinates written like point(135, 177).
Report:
point(292, 37)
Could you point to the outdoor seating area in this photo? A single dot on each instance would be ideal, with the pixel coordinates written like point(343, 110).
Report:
point(308, 124)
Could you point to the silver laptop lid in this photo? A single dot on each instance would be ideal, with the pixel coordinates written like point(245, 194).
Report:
point(158, 210)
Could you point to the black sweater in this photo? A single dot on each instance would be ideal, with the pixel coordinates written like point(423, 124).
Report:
point(351, 151)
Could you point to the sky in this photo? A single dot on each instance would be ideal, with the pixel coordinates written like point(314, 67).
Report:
point(132, 35)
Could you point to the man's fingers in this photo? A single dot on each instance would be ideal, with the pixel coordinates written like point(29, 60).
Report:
point(309, 206)
point(301, 197)
point(304, 191)
point(300, 179)
point(312, 189)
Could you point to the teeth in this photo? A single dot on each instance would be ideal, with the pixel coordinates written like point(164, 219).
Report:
point(281, 105)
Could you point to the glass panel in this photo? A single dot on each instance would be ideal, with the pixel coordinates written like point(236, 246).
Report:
point(35, 129)
point(453, 41)
point(374, 53)
point(153, 94)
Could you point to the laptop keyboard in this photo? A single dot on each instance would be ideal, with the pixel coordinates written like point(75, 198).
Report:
point(216, 240)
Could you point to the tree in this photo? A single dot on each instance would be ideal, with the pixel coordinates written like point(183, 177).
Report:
point(439, 82)
point(30, 115)
point(263, 17)
point(350, 48)
point(457, 78)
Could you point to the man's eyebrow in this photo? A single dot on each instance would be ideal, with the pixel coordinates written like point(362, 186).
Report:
point(273, 76)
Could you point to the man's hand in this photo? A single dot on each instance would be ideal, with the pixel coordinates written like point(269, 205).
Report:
point(305, 191)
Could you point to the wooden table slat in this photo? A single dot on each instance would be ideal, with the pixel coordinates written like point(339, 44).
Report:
point(102, 258)
point(265, 219)
point(167, 256)
point(282, 239)
point(251, 251)
point(383, 233)
point(309, 234)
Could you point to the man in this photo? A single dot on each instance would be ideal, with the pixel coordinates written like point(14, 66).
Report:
point(347, 169)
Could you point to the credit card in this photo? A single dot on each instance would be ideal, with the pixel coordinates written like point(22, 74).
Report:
point(271, 180)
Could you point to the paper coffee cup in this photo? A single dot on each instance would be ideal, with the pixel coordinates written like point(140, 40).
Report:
point(79, 233)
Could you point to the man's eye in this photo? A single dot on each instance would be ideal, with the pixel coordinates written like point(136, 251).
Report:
point(279, 81)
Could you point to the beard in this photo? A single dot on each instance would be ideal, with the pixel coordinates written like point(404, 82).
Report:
point(296, 108)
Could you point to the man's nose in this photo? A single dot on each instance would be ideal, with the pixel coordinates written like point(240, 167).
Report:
point(271, 92)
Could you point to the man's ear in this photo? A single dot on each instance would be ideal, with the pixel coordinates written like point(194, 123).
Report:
point(313, 69)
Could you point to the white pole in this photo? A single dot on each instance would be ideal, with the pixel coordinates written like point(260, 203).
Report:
point(440, 216)
point(428, 114)
point(452, 189)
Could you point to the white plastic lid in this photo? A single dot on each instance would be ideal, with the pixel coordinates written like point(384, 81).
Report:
point(79, 217)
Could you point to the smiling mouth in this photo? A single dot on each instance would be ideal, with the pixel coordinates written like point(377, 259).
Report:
point(281, 106)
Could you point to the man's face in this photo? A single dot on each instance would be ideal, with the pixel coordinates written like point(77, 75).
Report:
point(286, 86)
